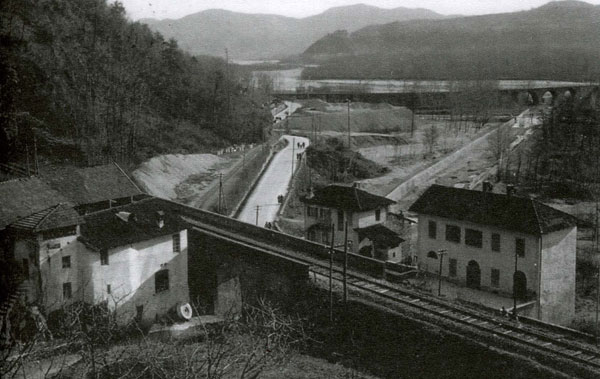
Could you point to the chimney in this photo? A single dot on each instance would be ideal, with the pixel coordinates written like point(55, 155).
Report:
point(510, 190)
point(160, 219)
point(487, 186)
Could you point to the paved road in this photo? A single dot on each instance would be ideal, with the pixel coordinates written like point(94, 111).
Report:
point(274, 182)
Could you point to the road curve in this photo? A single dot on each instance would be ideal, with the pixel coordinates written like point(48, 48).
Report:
point(274, 182)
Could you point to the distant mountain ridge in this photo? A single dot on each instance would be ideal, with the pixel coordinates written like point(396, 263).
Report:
point(556, 41)
point(256, 36)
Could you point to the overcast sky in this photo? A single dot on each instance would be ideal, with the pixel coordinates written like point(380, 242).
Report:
point(301, 8)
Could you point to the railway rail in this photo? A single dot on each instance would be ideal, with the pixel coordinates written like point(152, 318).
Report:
point(533, 337)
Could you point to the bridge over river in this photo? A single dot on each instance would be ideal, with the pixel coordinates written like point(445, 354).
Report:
point(288, 84)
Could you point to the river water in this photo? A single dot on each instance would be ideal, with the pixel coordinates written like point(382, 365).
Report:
point(289, 81)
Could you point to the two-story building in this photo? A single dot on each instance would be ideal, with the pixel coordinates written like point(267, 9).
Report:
point(502, 243)
point(327, 210)
point(132, 257)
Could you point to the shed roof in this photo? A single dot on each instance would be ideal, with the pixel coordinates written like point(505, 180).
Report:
point(380, 235)
point(347, 198)
point(83, 185)
point(112, 228)
point(56, 216)
point(22, 197)
point(514, 213)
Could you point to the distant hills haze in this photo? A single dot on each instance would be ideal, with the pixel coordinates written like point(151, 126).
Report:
point(265, 36)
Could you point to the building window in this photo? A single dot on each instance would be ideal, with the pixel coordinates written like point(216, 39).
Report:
point(453, 233)
point(377, 214)
point(495, 277)
point(473, 238)
point(520, 247)
point(432, 230)
point(452, 268)
point(340, 218)
point(161, 281)
point(432, 255)
point(176, 243)
point(26, 268)
point(312, 235)
point(495, 242)
point(311, 211)
point(104, 257)
point(66, 262)
point(67, 291)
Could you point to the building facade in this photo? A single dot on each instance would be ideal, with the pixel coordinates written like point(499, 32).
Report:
point(327, 211)
point(501, 243)
point(132, 258)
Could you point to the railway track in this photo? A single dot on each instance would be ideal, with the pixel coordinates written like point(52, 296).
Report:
point(540, 339)
point(589, 357)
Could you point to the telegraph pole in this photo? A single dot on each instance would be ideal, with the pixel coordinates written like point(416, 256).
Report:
point(346, 263)
point(257, 207)
point(220, 192)
point(514, 289)
point(293, 156)
point(331, 274)
point(441, 254)
point(349, 142)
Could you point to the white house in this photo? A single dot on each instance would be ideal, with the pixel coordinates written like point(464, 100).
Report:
point(334, 205)
point(502, 243)
point(132, 257)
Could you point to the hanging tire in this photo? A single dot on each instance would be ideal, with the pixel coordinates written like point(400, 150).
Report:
point(184, 311)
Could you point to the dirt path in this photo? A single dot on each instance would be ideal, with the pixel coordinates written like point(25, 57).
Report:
point(469, 160)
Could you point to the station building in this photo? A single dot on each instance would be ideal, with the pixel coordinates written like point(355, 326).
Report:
point(366, 213)
point(502, 243)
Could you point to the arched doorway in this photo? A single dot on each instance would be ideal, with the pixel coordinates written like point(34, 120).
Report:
point(473, 275)
point(519, 285)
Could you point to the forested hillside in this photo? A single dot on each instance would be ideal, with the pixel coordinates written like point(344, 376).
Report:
point(557, 41)
point(88, 85)
point(257, 36)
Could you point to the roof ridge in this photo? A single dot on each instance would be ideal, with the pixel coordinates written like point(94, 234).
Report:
point(537, 216)
point(54, 208)
point(357, 199)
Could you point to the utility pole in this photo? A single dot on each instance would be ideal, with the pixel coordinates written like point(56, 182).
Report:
point(349, 141)
point(597, 277)
point(331, 274)
point(220, 207)
point(346, 263)
point(440, 254)
point(36, 165)
point(27, 153)
point(293, 156)
point(514, 289)
point(257, 208)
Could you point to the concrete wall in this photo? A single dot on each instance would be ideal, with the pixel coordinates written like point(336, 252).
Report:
point(131, 274)
point(557, 292)
point(504, 260)
point(224, 274)
point(46, 274)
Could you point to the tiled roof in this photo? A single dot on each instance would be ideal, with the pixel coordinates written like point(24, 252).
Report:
point(499, 210)
point(108, 229)
point(56, 216)
point(347, 198)
point(23, 197)
point(380, 235)
point(84, 185)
